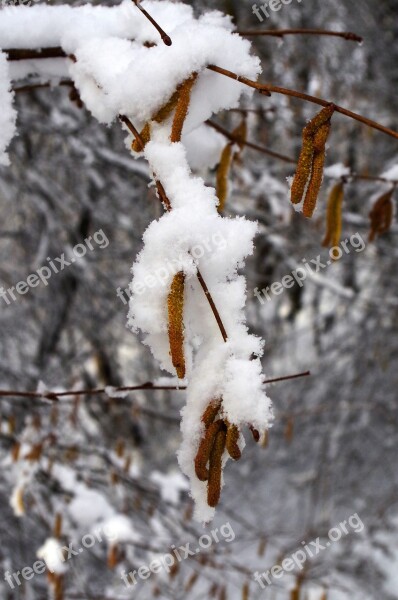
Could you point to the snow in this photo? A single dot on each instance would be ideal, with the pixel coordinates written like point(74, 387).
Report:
point(391, 174)
point(171, 485)
point(7, 114)
point(214, 368)
point(337, 171)
point(51, 553)
point(113, 392)
point(117, 72)
point(119, 529)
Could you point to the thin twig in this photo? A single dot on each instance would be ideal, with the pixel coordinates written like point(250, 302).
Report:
point(212, 305)
point(347, 35)
point(253, 84)
point(166, 38)
point(234, 138)
point(268, 88)
point(55, 396)
point(162, 194)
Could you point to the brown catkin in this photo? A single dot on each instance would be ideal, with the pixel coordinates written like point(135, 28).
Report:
point(289, 430)
point(15, 451)
point(320, 119)
point(211, 412)
point(57, 529)
point(261, 547)
point(318, 163)
point(162, 114)
point(222, 176)
point(204, 450)
point(255, 433)
point(245, 591)
point(315, 135)
point(334, 216)
point(191, 581)
point(381, 214)
point(295, 594)
point(167, 109)
point(232, 442)
point(214, 482)
point(138, 145)
point(240, 133)
point(303, 171)
point(113, 556)
point(175, 303)
point(184, 96)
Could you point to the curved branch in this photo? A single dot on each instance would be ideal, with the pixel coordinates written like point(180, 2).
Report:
point(267, 89)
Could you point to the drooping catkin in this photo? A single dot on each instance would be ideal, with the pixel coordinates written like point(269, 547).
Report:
point(222, 176)
point(163, 113)
point(261, 547)
point(184, 97)
point(57, 529)
point(334, 216)
point(320, 119)
point(381, 214)
point(240, 134)
point(168, 108)
point(214, 482)
point(245, 591)
point(211, 412)
point(204, 450)
point(310, 165)
point(191, 581)
point(255, 433)
point(138, 145)
point(232, 442)
point(175, 303)
point(303, 171)
point(318, 163)
point(289, 430)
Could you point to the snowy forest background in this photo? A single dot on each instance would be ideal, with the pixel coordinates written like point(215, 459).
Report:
point(331, 450)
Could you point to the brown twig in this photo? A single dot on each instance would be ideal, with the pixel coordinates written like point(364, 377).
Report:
point(268, 88)
point(347, 35)
point(36, 86)
point(212, 305)
point(233, 138)
point(55, 396)
point(166, 38)
point(253, 84)
point(162, 194)
point(25, 54)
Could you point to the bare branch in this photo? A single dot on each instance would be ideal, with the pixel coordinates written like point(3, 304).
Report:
point(347, 35)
